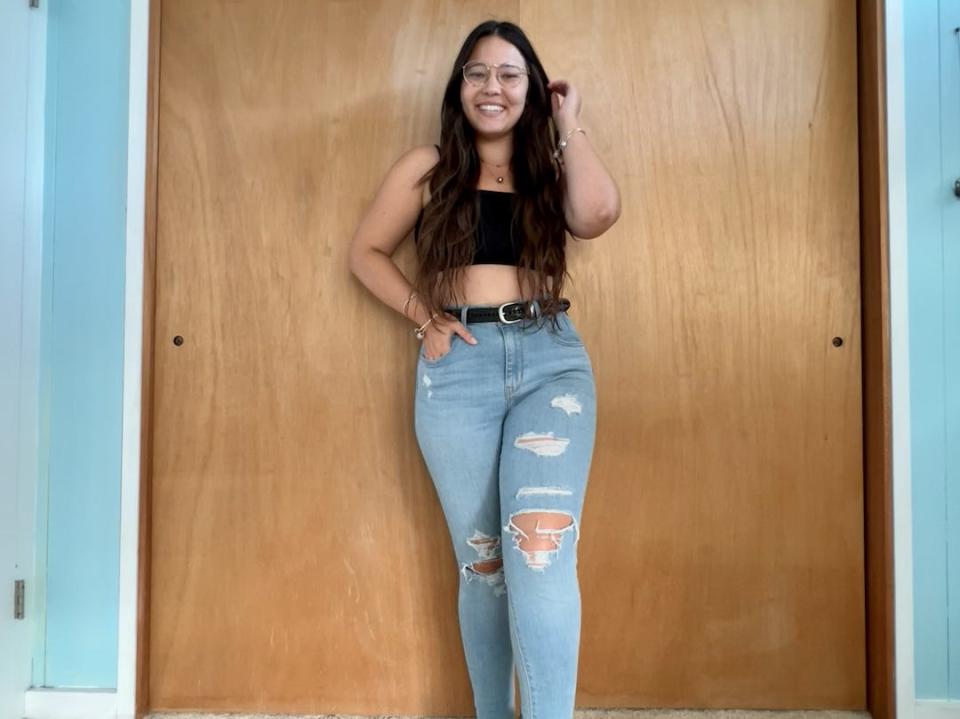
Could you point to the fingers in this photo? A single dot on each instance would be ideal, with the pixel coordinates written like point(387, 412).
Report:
point(457, 327)
point(450, 325)
point(447, 324)
point(430, 352)
point(445, 347)
point(465, 333)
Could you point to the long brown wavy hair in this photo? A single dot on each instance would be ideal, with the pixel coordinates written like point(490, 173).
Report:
point(451, 217)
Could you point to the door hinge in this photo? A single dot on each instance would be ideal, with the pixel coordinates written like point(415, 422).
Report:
point(34, 3)
point(18, 590)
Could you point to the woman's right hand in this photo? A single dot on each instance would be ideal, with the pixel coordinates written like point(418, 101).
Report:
point(439, 335)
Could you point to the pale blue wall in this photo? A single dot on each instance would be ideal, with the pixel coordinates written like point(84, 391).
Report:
point(82, 352)
point(950, 139)
point(932, 99)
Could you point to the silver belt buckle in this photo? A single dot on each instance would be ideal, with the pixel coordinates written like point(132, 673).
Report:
point(504, 319)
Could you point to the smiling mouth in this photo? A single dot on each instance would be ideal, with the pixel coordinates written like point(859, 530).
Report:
point(491, 110)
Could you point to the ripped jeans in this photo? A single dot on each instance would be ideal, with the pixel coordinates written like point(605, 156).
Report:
point(506, 428)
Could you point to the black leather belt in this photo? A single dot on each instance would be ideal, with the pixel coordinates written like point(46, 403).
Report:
point(507, 313)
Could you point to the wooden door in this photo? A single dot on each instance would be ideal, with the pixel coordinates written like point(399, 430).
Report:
point(299, 558)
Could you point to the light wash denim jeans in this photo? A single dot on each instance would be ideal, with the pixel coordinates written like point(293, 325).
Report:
point(506, 428)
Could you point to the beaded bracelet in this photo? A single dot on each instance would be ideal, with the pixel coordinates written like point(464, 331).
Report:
point(420, 332)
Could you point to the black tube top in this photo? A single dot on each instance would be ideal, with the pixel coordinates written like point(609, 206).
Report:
point(495, 243)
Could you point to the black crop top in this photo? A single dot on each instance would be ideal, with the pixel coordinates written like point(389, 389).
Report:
point(495, 243)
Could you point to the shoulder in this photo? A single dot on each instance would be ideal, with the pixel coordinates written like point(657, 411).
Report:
point(415, 163)
point(405, 178)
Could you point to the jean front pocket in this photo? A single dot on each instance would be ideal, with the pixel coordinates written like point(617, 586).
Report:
point(455, 340)
point(566, 333)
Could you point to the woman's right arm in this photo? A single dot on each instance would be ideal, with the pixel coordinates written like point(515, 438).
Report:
point(383, 227)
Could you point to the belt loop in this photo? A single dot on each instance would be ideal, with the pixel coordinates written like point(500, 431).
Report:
point(463, 314)
point(535, 307)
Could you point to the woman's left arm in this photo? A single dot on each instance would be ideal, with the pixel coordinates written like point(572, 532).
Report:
point(591, 199)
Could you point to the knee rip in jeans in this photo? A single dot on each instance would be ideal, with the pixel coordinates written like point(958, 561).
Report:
point(538, 534)
point(489, 568)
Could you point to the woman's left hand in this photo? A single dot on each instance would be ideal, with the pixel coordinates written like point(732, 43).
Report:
point(565, 102)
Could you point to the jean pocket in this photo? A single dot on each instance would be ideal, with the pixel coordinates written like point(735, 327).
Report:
point(566, 333)
point(455, 340)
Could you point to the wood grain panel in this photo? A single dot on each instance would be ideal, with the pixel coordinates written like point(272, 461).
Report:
point(299, 559)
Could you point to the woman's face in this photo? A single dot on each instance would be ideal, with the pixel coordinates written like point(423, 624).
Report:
point(480, 103)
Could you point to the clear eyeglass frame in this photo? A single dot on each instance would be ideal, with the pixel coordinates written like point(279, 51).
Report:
point(508, 74)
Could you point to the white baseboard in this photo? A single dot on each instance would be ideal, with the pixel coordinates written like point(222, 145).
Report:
point(578, 714)
point(71, 704)
point(931, 709)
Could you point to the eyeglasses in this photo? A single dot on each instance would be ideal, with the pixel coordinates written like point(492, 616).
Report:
point(477, 74)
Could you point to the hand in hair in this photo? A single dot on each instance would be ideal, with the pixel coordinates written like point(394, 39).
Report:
point(565, 101)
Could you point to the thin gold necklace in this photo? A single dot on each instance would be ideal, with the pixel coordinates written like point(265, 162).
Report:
point(500, 177)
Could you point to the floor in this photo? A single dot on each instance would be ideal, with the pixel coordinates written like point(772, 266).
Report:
point(580, 714)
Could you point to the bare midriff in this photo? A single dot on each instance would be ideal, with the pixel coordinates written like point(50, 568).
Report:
point(495, 284)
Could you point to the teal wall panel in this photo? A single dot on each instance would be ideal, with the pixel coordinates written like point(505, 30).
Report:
point(950, 174)
point(932, 92)
point(82, 355)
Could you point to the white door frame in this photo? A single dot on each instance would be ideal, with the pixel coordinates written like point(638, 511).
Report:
point(899, 363)
point(23, 40)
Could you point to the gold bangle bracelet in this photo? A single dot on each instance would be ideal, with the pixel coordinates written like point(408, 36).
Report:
point(413, 294)
point(421, 330)
point(563, 143)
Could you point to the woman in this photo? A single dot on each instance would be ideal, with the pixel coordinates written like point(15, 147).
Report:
point(505, 413)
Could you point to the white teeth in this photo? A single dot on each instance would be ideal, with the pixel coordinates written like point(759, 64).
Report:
point(490, 108)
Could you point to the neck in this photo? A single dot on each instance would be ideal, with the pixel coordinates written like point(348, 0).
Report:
point(496, 150)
